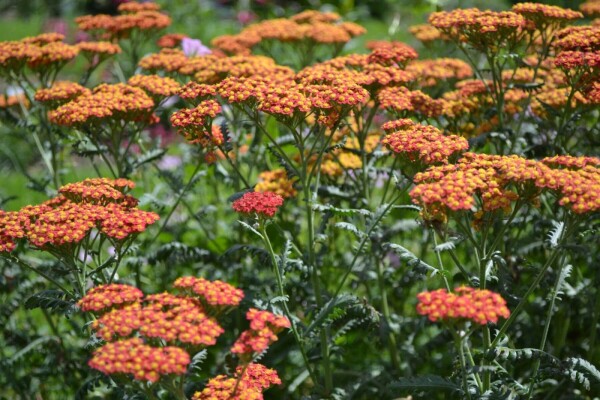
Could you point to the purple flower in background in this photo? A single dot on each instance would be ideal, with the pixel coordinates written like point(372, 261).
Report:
point(169, 162)
point(194, 47)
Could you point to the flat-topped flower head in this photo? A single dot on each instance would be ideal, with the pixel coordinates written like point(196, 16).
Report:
point(478, 306)
point(170, 40)
point(104, 297)
point(106, 103)
point(264, 327)
point(100, 191)
point(195, 124)
point(135, 7)
point(168, 60)
point(398, 54)
point(484, 30)
point(423, 143)
point(256, 378)
point(143, 362)
point(60, 93)
point(155, 86)
point(430, 72)
point(276, 181)
point(544, 15)
point(425, 33)
point(213, 293)
point(263, 204)
point(590, 8)
point(97, 52)
point(12, 228)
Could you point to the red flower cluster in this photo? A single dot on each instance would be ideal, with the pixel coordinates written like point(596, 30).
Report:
point(265, 204)
point(195, 124)
point(424, 143)
point(479, 306)
point(145, 363)
point(108, 296)
point(264, 327)
point(214, 293)
point(251, 380)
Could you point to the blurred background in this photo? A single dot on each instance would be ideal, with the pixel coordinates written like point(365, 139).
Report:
point(384, 19)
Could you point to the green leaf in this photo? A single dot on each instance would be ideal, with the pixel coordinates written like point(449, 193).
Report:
point(351, 228)
point(53, 300)
point(428, 383)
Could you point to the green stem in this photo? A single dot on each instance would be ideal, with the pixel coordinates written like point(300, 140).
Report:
point(286, 310)
point(392, 344)
point(553, 295)
point(42, 274)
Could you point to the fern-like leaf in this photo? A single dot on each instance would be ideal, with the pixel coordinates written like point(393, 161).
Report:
point(52, 300)
point(427, 383)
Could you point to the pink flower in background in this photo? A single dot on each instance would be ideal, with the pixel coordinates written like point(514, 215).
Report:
point(194, 47)
point(169, 162)
point(245, 17)
point(57, 25)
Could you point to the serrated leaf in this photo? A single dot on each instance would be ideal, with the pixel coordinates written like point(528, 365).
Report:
point(350, 228)
point(409, 257)
point(425, 383)
point(555, 233)
point(331, 309)
point(342, 212)
point(53, 300)
point(250, 228)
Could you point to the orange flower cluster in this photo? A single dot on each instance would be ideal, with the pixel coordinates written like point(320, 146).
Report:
point(425, 33)
point(313, 26)
point(106, 103)
point(543, 15)
point(264, 327)
point(195, 124)
point(398, 99)
point(265, 204)
point(479, 306)
point(490, 178)
point(155, 86)
point(397, 54)
point(13, 100)
point(145, 363)
point(484, 30)
point(192, 91)
point(169, 60)
point(250, 380)
point(61, 223)
point(101, 50)
point(276, 181)
point(423, 143)
point(42, 52)
point(101, 298)
point(583, 38)
point(60, 93)
point(590, 8)
point(215, 293)
point(142, 17)
point(174, 319)
point(170, 40)
point(431, 72)
point(135, 7)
